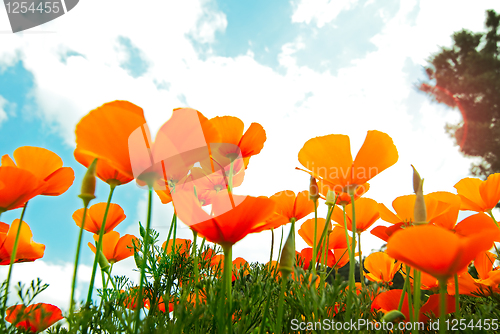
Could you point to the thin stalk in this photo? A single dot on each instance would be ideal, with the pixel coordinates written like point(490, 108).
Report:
point(195, 263)
point(279, 251)
point(458, 314)
point(416, 299)
point(13, 259)
point(174, 221)
point(492, 217)
point(314, 244)
point(227, 281)
point(77, 259)
point(284, 279)
point(335, 266)
point(405, 286)
point(442, 306)
point(410, 298)
point(272, 246)
point(230, 178)
point(99, 245)
point(266, 309)
point(352, 264)
point(144, 260)
point(361, 271)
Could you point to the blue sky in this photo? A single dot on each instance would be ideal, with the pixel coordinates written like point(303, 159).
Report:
point(299, 68)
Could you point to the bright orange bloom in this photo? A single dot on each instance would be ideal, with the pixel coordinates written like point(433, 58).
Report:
point(478, 223)
point(488, 280)
point(183, 246)
point(235, 216)
point(115, 248)
point(336, 237)
point(95, 216)
point(389, 300)
point(377, 154)
point(17, 186)
point(238, 264)
point(448, 217)
point(27, 249)
point(381, 267)
point(437, 251)
point(104, 133)
point(404, 205)
point(385, 232)
point(478, 195)
point(288, 207)
point(34, 318)
point(343, 197)
point(306, 256)
point(366, 214)
point(231, 131)
point(45, 165)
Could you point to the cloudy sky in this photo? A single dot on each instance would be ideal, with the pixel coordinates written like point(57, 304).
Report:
point(300, 68)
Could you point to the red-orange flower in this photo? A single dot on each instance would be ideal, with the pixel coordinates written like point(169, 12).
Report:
point(336, 236)
point(381, 267)
point(478, 195)
point(288, 206)
point(34, 318)
point(306, 256)
point(366, 214)
point(104, 133)
point(343, 198)
point(27, 249)
point(235, 216)
point(182, 246)
point(17, 186)
point(115, 248)
point(389, 300)
point(376, 154)
point(95, 217)
point(478, 223)
point(241, 144)
point(45, 165)
point(437, 251)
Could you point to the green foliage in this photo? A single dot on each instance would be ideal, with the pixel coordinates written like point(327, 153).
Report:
point(470, 71)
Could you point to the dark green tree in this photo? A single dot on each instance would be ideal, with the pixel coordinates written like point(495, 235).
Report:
point(467, 76)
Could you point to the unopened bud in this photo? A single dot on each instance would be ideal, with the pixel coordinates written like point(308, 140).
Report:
point(393, 316)
point(313, 190)
point(88, 184)
point(419, 211)
point(103, 262)
point(330, 197)
point(288, 254)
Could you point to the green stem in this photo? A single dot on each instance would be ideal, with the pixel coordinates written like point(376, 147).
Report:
point(279, 319)
point(12, 260)
point(361, 271)
point(99, 245)
point(230, 178)
point(416, 299)
point(492, 217)
point(195, 263)
point(410, 298)
point(458, 314)
point(272, 246)
point(313, 265)
point(227, 282)
point(174, 220)
point(77, 259)
point(279, 250)
point(405, 286)
point(442, 306)
point(144, 260)
point(335, 266)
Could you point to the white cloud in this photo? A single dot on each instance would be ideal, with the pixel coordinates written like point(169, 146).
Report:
point(3, 109)
point(320, 11)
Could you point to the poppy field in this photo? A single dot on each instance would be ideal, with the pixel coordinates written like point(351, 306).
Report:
point(436, 274)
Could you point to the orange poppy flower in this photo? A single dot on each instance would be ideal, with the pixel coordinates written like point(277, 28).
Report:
point(437, 251)
point(95, 217)
point(104, 133)
point(238, 264)
point(34, 318)
point(336, 238)
point(366, 214)
point(389, 300)
point(376, 154)
point(343, 198)
point(306, 256)
point(478, 223)
point(27, 249)
point(183, 246)
point(235, 142)
point(235, 216)
point(381, 267)
point(478, 195)
point(45, 165)
point(288, 206)
point(427, 282)
point(488, 280)
point(447, 218)
point(404, 205)
point(17, 186)
point(385, 232)
point(115, 248)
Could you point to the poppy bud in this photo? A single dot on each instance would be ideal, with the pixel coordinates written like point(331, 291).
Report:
point(288, 254)
point(330, 197)
point(88, 184)
point(313, 190)
point(393, 316)
point(419, 211)
point(103, 262)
